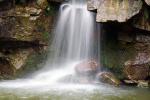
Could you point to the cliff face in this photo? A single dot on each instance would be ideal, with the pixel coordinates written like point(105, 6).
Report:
point(25, 31)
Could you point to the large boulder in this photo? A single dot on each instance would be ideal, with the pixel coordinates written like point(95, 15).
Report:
point(108, 77)
point(115, 10)
point(138, 69)
point(88, 67)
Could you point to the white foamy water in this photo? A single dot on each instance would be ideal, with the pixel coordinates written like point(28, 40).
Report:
point(73, 42)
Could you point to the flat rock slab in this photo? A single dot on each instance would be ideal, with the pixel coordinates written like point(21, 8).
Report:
point(115, 10)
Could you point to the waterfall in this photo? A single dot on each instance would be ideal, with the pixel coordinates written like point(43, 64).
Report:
point(75, 39)
point(74, 35)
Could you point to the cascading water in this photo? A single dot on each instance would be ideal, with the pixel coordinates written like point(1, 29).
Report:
point(74, 35)
point(74, 40)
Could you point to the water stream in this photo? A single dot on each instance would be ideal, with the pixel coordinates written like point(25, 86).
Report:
point(75, 39)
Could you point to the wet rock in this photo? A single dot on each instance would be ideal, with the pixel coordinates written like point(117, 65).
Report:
point(18, 59)
point(88, 67)
point(139, 83)
point(138, 69)
point(143, 84)
point(108, 77)
point(130, 82)
point(115, 10)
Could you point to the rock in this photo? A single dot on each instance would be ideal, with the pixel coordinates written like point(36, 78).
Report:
point(109, 78)
point(142, 39)
point(42, 3)
point(88, 67)
point(6, 69)
point(130, 82)
point(115, 10)
point(18, 59)
point(28, 12)
point(93, 4)
point(143, 84)
point(142, 20)
point(139, 83)
point(22, 24)
point(138, 69)
point(148, 2)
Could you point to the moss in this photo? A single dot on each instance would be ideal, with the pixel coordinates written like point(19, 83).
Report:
point(46, 35)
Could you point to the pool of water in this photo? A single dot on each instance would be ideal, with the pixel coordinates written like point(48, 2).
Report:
point(75, 92)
